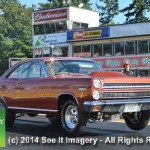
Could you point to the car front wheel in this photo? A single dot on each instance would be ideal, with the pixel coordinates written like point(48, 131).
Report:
point(10, 116)
point(72, 119)
point(138, 120)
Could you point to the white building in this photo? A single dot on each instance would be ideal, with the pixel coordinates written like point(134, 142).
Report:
point(50, 29)
point(112, 46)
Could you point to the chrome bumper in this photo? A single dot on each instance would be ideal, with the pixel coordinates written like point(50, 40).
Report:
point(117, 105)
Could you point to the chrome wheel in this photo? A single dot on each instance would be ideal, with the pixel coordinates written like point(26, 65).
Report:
point(71, 117)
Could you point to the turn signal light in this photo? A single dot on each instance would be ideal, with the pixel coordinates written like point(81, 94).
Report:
point(97, 108)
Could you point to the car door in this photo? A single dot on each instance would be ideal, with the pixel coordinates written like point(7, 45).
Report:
point(7, 89)
point(30, 88)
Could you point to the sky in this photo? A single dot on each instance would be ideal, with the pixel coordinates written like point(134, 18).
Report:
point(118, 19)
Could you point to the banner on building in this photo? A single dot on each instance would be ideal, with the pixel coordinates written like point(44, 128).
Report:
point(49, 40)
point(49, 15)
point(117, 62)
point(88, 34)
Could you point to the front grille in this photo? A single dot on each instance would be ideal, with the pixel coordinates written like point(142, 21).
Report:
point(125, 90)
point(125, 95)
point(125, 85)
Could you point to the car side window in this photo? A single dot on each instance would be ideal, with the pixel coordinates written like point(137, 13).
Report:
point(25, 70)
point(29, 70)
point(58, 67)
point(54, 67)
point(42, 72)
point(36, 70)
point(16, 73)
point(21, 71)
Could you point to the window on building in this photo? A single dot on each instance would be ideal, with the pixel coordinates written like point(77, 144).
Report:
point(129, 48)
point(107, 49)
point(77, 25)
point(98, 51)
point(64, 51)
point(47, 28)
point(38, 29)
point(61, 26)
point(86, 51)
point(119, 48)
point(53, 27)
point(77, 51)
point(84, 25)
point(143, 47)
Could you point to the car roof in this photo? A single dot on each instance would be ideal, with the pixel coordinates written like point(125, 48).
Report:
point(63, 58)
point(55, 58)
point(52, 58)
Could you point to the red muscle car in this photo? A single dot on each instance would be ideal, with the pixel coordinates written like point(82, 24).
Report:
point(72, 91)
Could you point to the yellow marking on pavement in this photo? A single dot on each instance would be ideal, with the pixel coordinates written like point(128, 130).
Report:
point(121, 120)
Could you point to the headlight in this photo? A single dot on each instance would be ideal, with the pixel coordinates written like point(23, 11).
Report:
point(97, 83)
point(96, 95)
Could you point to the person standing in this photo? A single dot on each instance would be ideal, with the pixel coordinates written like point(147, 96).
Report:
point(127, 71)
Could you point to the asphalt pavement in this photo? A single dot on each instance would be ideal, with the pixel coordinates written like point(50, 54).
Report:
point(37, 133)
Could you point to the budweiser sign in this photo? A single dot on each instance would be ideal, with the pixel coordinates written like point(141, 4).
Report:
point(50, 15)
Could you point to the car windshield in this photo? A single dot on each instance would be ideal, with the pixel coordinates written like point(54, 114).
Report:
point(72, 66)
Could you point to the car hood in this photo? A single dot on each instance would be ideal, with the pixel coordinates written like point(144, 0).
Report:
point(117, 77)
point(108, 77)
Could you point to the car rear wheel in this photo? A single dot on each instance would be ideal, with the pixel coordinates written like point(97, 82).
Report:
point(72, 119)
point(10, 116)
point(138, 120)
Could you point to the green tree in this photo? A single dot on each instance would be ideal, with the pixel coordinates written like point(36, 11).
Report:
point(62, 3)
point(136, 11)
point(108, 9)
point(15, 32)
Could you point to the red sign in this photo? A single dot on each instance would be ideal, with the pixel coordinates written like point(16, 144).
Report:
point(78, 34)
point(117, 62)
point(50, 15)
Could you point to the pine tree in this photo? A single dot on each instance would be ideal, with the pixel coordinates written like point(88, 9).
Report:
point(136, 11)
point(108, 10)
point(63, 3)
